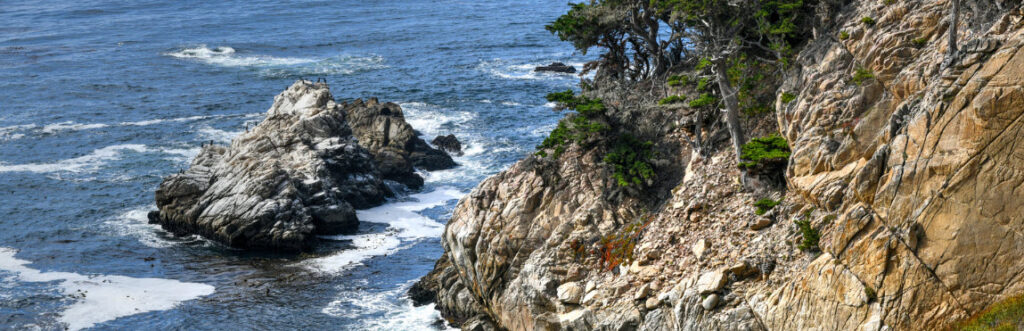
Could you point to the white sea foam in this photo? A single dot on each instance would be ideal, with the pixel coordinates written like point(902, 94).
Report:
point(209, 133)
point(404, 223)
point(429, 119)
point(87, 162)
point(135, 223)
point(387, 310)
point(71, 126)
point(524, 71)
point(227, 57)
point(97, 159)
point(103, 298)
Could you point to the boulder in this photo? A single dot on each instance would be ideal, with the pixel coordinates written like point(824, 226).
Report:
point(570, 293)
point(298, 174)
point(395, 145)
point(448, 143)
point(556, 67)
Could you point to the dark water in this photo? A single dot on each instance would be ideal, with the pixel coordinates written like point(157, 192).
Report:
point(101, 99)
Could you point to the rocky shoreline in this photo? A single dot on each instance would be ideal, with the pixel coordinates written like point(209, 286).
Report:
point(904, 166)
point(300, 173)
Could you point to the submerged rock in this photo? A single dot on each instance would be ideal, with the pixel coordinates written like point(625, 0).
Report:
point(298, 174)
point(557, 67)
point(395, 145)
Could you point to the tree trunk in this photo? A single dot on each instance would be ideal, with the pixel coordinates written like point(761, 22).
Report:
point(732, 111)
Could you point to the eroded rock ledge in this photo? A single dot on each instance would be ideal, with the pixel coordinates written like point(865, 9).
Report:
point(298, 174)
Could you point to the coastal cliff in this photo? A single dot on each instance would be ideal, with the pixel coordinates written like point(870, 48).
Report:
point(904, 171)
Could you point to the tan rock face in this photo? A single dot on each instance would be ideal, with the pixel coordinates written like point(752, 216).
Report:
point(913, 179)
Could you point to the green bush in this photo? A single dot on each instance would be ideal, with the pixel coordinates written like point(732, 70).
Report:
point(764, 205)
point(574, 128)
point(705, 100)
point(843, 35)
point(757, 110)
point(678, 80)
point(867, 20)
point(764, 151)
point(788, 97)
point(862, 75)
point(631, 160)
point(703, 84)
point(1004, 315)
point(920, 42)
point(672, 99)
point(810, 235)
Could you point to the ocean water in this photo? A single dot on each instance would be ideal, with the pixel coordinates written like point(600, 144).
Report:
point(101, 99)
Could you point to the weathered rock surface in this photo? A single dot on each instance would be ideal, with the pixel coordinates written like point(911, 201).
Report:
point(395, 145)
point(298, 174)
point(448, 143)
point(912, 179)
point(557, 67)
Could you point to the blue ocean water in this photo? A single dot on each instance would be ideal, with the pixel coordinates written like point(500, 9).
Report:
point(101, 99)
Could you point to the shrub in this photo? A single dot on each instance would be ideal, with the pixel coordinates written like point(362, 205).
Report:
point(862, 75)
point(788, 97)
point(757, 110)
point(843, 35)
point(870, 293)
point(867, 20)
point(575, 128)
point(764, 205)
point(703, 84)
point(617, 248)
point(678, 80)
point(764, 151)
point(631, 161)
point(672, 99)
point(705, 100)
point(920, 42)
point(810, 235)
point(1004, 315)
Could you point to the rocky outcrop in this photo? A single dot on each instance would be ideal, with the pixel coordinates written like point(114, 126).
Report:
point(556, 67)
point(448, 144)
point(911, 177)
point(298, 174)
point(395, 145)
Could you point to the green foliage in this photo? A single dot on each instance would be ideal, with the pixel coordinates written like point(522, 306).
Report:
point(764, 205)
point(843, 35)
point(574, 128)
point(810, 235)
point(888, 2)
point(764, 151)
point(867, 20)
point(870, 293)
point(788, 97)
point(704, 100)
point(585, 26)
point(1004, 315)
point(920, 42)
point(861, 75)
point(631, 161)
point(757, 110)
point(678, 80)
point(703, 83)
point(672, 99)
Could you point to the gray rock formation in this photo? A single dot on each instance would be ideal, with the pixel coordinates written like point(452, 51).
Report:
point(395, 145)
point(298, 174)
point(448, 143)
point(556, 67)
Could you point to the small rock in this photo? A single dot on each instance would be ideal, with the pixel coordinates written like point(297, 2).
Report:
point(645, 291)
point(710, 302)
point(557, 67)
point(590, 286)
point(761, 223)
point(711, 281)
point(700, 248)
point(742, 269)
point(570, 293)
point(448, 144)
point(652, 302)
